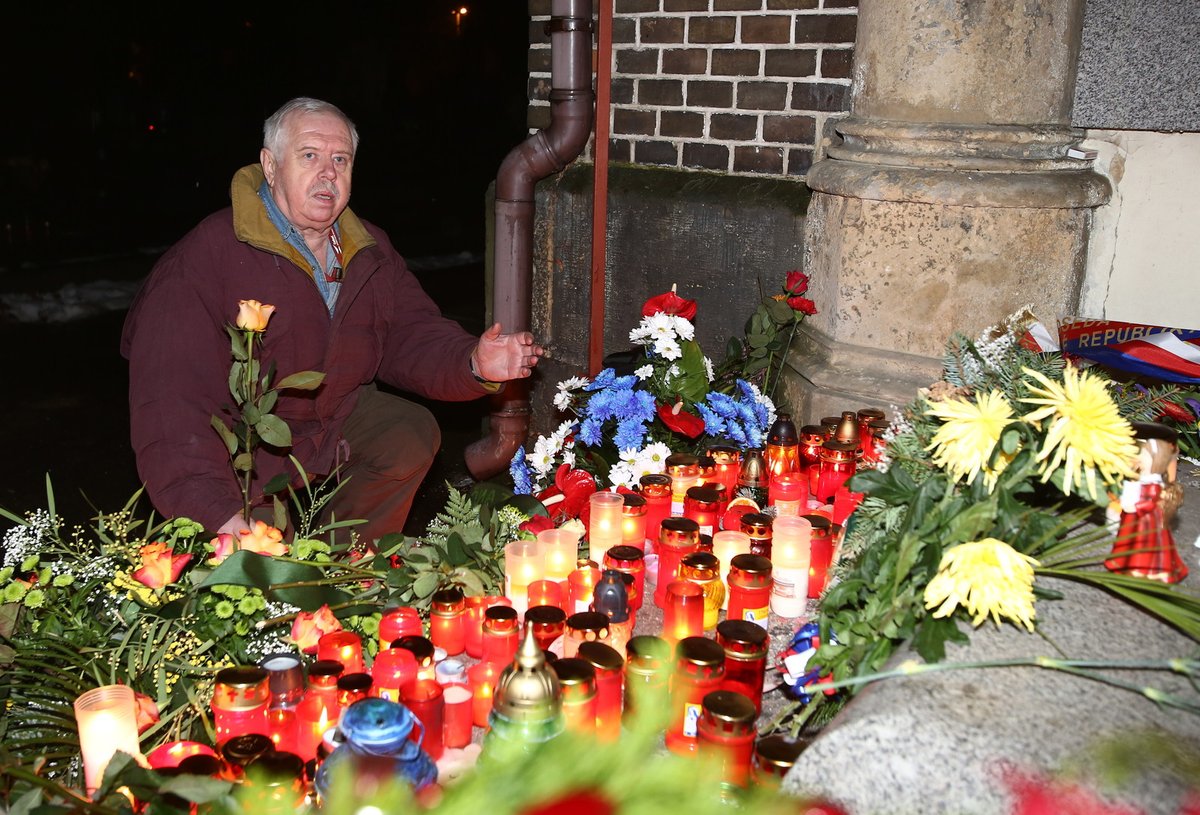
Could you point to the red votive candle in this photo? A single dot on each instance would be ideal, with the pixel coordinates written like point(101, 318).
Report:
point(838, 464)
point(548, 623)
point(352, 687)
point(844, 502)
point(398, 622)
point(344, 647)
point(546, 593)
point(788, 493)
point(631, 561)
point(424, 698)
point(577, 680)
point(473, 628)
point(703, 505)
point(586, 626)
point(284, 729)
point(727, 460)
point(170, 754)
point(656, 489)
point(820, 554)
point(609, 666)
point(501, 634)
point(240, 700)
point(481, 677)
point(726, 732)
point(746, 646)
point(315, 714)
point(633, 521)
point(393, 671)
point(676, 538)
point(699, 669)
point(749, 581)
point(580, 585)
point(459, 715)
point(683, 615)
point(447, 620)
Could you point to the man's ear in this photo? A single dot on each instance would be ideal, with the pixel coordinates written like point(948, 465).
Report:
point(268, 164)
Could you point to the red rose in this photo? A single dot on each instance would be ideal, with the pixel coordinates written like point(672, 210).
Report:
point(802, 304)
point(160, 565)
point(670, 303)
point(536, 524)
point(797, 282)
point(147, 711)
point(680, 421)
point(310, 626)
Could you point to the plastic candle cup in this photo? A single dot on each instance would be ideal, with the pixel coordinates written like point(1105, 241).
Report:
point(703, 505)
point(585, 626)
point(344, 647)
point(605, 523)
point(684, 470)
point(609, 667)
point(580, 585)
point(448, 620)
point(759, 526)
point(522, 565)
point(425, 652)
point(703, 569)
point(820, 554)
point(648, 665)
point(352, 687)
point(656, 489)
point(699, 669)
point(459, 715)
point(473, 628)
point(633, 521)
point(683, 615)
point(547, 593)
point(746, 647)
point(548, 624)
point(560, 552)
point(677, 537)
point(393, 671)
point(726, 732)
point(838, 464)
point(481, 677)
point(749, 580)
point(398, 622)
point(727, 460)
point(285, 678)
point(240, 699)
point(629, 560)
point(727, 544)
point(577, 681)
point(790, 562)
point(314, 715)
point(284, 729)
point(501, 634)
point(426, 701)
point(789, 493)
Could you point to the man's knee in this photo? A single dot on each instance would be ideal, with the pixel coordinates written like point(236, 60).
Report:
point(402, 443)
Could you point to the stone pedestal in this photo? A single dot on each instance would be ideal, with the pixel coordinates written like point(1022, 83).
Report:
point(948, 201)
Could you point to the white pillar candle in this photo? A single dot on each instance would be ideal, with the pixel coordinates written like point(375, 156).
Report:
point(107, 722)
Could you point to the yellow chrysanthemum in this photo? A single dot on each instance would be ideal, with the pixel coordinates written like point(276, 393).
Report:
point(986, 577)
point(964, 444)
point(1086, 432)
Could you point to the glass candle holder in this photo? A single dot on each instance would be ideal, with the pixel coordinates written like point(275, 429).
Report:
point(820, 554)
point(425, 652)
point(585, 626)
point(344, 647)
point(699, 669)
point(648, 666)
point(580, 585)
point(727, 459)
point(547, 593)
point(656, 489)
point(703, 569)
point(609, 667)
point(107, 722)
point(773, 757)
point(285, 678)
point(523, 564)
point(315, 714)
point(838, 464)
point(284, 729)
point(683, 615)
point(790, 561)
point(458, 714)
point(501, 634)
point(728, 544)
point(170, 754)
point(240, 700)
point(448, 620)
point(844, 503)
point(473, 627)
point(548, 623)
point(760, 529)
point(352, 687)
point(577, 681)
point(789, 493)
point(684, 470)
point(782, 450)
point(703, 505)
point(323, 676)
point(398, 622)
point(633, 521)
point(629, 560)
point(394, 670)
point(746, 646)
point(812, 436)
point(424, 698)
point(677, 537)
point(873, 442)
point(605, 523)
point(560, 552)
point(726, 734)
point(481, 678)
point(749, 581)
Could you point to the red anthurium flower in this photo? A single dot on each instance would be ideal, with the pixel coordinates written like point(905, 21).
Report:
point(160, 565)
point(802, 304)
point(680, 421)
point(1176, 411)
point(536, 524)
point(310, 626)
point(796, 282)
point(577, 487)
point(147, 711)
point(670, 303)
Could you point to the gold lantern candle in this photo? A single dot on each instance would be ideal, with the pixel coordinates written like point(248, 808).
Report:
point(523, 564)
point(107, 722)
point(560, 551)
point(604, 523)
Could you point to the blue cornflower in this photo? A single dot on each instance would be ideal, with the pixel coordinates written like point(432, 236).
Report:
point(714, 425)
point(602, 380)
point(518, 468)
point(589, 432)
point(630, 433)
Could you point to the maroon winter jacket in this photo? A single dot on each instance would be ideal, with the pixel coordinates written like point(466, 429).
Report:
point(384, 328)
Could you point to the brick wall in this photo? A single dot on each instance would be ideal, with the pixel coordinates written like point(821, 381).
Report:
point(742, 87)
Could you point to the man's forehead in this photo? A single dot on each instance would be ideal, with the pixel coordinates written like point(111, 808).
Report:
point(319, 130)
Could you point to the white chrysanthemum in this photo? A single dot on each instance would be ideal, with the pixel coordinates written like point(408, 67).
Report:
point(644, 372)
point(661, 325)
point(653, 458)
point(568, 455)
point(621, 475)
point(562, 400)
point(560, 434)
point(667, 348)
point(708, 369)
point(544, 451)
point(628, 456)
point(684, 328)
point(573, 383)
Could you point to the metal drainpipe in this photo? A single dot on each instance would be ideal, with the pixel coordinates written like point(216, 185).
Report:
point(545, 152)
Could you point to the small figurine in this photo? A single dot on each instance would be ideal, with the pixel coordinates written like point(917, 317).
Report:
point(1145, 546)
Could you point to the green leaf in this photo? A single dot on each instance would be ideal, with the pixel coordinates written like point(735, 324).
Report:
point(251, 415)
point(243, 462)
point(276, 485)
point(274, 431)
point(237, 344)
point(694, 384)
point(267, 403)
point(472, 584)
point(231, 442)
point(491, 494)
point(779, 311)
point(931, 636)
point(235, 382)
point(456, 551)
point(757, 340)
point(426, 584)
point(265, 573)
point(302, 381)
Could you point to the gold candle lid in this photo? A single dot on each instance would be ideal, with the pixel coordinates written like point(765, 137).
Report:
point(657, 485)
point(700, 652)
point(706, 495)
point(682, 464)
point(635, 505)
point(545, 615)
point(447, 602)
point(422, 647)
point(576, 677)
point(601, 656)
point(588, 621)
point(700, 566)
point(625, 554)
point(757, 525)
point(838, 451)
point(678, 531)
point(829, 425)
point(812, 434)
point(777, 754)
point(242, 688)
point(870, 414)
point(730, 708)
point(743, 639)
point(750, 564)
point(500, 619)
point(725, 454)
point(821, 526)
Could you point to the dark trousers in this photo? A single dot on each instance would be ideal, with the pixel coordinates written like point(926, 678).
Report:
point(392, 444)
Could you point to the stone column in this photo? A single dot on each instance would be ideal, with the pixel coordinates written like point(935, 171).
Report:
point(948, 202)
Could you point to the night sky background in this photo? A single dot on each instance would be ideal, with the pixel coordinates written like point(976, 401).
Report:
point(126, 121)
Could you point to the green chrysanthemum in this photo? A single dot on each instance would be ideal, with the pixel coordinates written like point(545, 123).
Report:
point(223, 610)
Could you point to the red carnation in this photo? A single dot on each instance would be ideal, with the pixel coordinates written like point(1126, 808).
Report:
point(670, 303)
point(680, 421)
point(802, 304)
point(797, 282)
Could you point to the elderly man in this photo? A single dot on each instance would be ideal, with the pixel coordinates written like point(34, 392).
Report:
point(345, 304)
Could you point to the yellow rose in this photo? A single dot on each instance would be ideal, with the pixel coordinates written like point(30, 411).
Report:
point(253, 315)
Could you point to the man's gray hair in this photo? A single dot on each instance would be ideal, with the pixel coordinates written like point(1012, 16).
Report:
point(273, 128)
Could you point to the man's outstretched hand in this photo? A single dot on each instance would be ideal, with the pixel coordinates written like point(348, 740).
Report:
point(500, 357)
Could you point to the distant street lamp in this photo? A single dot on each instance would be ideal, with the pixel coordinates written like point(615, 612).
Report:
point(458, 13)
